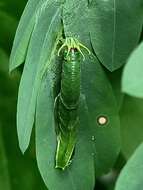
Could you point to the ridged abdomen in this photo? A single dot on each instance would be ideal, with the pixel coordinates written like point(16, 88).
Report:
point(70, 83)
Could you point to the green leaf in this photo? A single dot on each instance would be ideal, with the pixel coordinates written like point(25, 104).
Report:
point(8, 26)
point(15, 168)
point(115, 79)
point(97, 146)
point(13, 8)
point(23, 34)
point(76, 25)
point(4, 174)
point(115, 30)
point(40, 52)
point(131, 124)
point(3, 61)
point(100, 101)
point(133, 75)
point(82, 166)
point(131, 176)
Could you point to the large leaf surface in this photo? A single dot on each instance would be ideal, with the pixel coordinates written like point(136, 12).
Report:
point(115, 30)
point(39, 54)
point(100, 101)
point(23, 33)
point(77, 23)
point(132, 82)
point(97, 147)
point(82, 166)
point(131, 176)
point(75, 19)
point(131, 124)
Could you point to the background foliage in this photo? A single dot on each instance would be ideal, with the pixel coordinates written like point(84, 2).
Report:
point(16, 171)
point(113, 36)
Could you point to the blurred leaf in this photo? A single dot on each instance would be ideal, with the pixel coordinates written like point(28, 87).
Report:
point(13, 165)
point(131, 124)
point(3, 61)
point(7, 30)
point(131, 176)
point(13, 8)
point(40, 52)
point(115, 30)
point(4, 174)
point(24, 32)
point(132, 83)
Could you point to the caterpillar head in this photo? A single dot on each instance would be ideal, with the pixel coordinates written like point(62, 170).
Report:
point(73, 44)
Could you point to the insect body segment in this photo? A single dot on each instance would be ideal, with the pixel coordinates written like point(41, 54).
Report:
point(70, 84)
point(67, 103)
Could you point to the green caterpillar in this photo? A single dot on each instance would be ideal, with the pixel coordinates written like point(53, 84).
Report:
point(67, 102)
